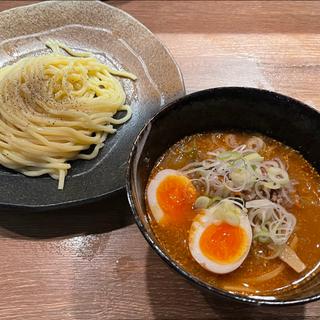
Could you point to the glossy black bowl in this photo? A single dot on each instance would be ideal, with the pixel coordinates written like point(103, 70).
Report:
point(241, 109)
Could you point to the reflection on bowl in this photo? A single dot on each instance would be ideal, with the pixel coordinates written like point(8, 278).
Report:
point(238, 109)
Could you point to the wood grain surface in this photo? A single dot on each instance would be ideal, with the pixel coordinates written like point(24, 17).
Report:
point(91, 262)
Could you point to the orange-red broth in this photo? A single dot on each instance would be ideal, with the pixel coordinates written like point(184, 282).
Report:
point(174, 237)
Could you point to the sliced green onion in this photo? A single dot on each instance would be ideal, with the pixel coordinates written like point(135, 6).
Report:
point(228, 212)
point(202, 202)
point(259, 203)
point(231, 218)
point(239, 176)
point(253, 157)
point(263, 235)
point(229, 155)
point(271, 185)
point(214, 199)
point(278, 175)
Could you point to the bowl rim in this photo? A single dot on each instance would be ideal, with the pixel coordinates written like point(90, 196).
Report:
point(166, 258)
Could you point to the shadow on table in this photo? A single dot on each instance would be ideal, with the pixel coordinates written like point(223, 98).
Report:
point(99, 217)
point(172, 297)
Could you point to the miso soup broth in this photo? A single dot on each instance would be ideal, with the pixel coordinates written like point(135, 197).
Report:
point(238, 211)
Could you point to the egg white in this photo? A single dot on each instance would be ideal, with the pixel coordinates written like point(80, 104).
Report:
point(153, 203)
point(202, 221)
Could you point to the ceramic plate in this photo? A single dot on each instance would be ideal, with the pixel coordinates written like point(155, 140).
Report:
point(116, 39)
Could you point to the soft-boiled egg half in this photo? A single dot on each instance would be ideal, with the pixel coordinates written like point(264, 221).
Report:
point(171, 196)
point(220, 237)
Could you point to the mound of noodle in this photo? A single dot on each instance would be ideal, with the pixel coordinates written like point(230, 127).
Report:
point(53, 107)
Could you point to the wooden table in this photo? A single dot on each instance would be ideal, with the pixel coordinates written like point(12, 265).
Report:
point(92, 262)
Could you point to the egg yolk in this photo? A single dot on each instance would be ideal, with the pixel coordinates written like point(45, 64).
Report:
point(176, 196)
point(223, 243)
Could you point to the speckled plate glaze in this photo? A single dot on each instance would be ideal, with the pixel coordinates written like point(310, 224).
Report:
point(118, 40)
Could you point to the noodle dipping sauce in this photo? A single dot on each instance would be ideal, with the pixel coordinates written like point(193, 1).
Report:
point(237, 211)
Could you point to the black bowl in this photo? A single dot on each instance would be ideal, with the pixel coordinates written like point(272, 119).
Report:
point(241, 109)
